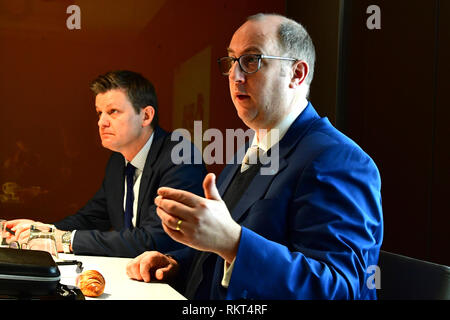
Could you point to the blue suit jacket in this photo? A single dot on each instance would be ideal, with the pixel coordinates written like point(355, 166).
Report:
point(311, 230)
point(99, 223)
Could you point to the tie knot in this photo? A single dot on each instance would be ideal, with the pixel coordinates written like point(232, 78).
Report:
point(130, 169)
point(252, 156)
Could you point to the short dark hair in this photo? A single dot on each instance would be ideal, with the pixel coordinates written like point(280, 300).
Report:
point(138, 89)
point(294, 40)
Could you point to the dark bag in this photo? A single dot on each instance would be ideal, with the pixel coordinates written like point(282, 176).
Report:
point(30, 274)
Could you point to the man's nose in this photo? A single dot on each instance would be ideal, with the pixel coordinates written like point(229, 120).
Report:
point(236, 73)
point(103, 120)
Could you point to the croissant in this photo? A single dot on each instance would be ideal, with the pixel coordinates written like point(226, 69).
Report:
point(91, 283)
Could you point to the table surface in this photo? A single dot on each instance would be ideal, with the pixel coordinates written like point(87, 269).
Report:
point(117, 284)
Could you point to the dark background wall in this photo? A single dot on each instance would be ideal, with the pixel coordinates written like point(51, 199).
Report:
point(396, 103)
point(387, 89)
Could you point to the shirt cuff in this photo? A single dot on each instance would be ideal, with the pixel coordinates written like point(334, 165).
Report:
point(72, 237)
point(227, 273)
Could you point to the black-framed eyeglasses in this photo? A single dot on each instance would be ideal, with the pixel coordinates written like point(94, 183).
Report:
point(249, 63)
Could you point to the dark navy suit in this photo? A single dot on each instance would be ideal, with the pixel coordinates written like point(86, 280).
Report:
point(311, 230)
point(99, 223)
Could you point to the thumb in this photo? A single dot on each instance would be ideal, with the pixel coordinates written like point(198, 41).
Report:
point(209, 187)
point(160, 273)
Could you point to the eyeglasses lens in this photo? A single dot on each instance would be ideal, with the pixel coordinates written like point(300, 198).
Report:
point(225, 64)
point(249, 63)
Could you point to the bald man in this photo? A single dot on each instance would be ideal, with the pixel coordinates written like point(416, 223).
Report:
point(308, 230)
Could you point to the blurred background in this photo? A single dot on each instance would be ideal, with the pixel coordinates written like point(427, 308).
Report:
point(385, 88)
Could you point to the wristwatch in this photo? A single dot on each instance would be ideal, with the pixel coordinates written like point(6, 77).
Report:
point(66, 239)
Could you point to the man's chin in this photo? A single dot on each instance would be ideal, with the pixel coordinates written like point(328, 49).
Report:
point(108, 145)
point(247, 115)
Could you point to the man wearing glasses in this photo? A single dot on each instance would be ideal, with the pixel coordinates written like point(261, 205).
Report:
point(308, 231)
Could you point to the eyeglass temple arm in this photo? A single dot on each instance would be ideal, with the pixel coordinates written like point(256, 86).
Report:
point(280, 58)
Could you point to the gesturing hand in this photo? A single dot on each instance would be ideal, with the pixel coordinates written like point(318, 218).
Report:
point(202, 223)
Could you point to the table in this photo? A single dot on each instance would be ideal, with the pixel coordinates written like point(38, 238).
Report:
point(117, 284)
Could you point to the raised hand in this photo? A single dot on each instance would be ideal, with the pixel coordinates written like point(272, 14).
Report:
point(202, 223)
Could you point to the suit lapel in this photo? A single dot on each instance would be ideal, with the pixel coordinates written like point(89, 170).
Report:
point(155, 148)
point(116, 176)
point(230, 170)
point(255, 191)
point(260, 183)
point(228, 178)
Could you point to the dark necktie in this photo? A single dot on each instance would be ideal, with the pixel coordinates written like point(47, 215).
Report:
point(129, 173)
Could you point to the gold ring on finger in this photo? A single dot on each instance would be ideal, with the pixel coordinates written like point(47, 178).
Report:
point(179, 224)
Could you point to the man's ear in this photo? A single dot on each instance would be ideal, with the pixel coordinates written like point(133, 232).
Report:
point(300, 72)
point(148, 114)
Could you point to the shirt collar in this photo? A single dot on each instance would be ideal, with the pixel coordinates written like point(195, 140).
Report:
point(277, 133)
point(139, 160)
